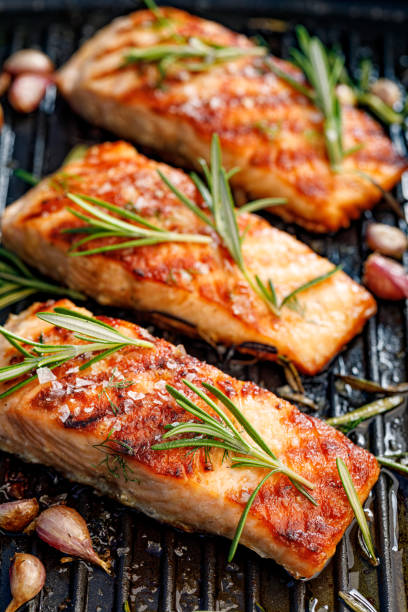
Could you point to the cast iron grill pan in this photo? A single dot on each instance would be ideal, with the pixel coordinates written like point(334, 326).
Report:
point(157, 568)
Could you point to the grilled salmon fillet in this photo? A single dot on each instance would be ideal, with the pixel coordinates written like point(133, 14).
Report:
point(61, 423)
point(269, 130)
point(198, 284)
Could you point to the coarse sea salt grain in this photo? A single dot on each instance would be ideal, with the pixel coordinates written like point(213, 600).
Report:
point(190, 376)
point(135, 396)
point(82, 382)
point(127, 406)
point(160, 385)
point(45, 375)
point(64, 412)
point(202, 268)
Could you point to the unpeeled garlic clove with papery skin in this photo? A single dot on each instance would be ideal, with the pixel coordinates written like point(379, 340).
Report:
point(64, 528)
point(27, 91)
point(28, 61)
point(386, 239)
point(27, 578)
point(16, 515)
point(387, 91)
point(346, 95)
point(386, 278)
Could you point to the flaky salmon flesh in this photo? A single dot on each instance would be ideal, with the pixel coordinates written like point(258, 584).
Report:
point(198, 284)
point(60, 423)
point(267, 129)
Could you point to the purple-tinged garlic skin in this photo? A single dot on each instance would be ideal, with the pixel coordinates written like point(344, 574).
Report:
point(27, 91)
point(28, 60)
point(386, 239)
point(16, 515)
point(27, 578)
point(386, 278)
point(65, 529)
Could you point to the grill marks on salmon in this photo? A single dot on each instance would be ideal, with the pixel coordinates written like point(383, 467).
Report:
point(58, 423)
point(198, 284)
point(272, 132)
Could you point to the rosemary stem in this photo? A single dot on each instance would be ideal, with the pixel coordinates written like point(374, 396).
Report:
point(394, 465)
point(276, 464)
point(367, 411)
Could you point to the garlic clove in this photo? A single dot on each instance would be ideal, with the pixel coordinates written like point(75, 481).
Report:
point(387, 91)
point(346, 95)
point(27, 91)
point(386, 278)
point(14, 516)
point(27, 578)
point(5, 80)
point(386, 239)
point(28, 60)
point(65, 529)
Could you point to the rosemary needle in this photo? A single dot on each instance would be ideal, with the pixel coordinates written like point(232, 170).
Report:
point(352, 496)
point(216, 193)
point(322, 70)
point(97, 336)
point(211, 432)
point(101, 224)
point(18, 282)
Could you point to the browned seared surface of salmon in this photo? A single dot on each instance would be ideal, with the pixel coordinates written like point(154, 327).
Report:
point(59, 422)
point(196, 283)
point(272, 132)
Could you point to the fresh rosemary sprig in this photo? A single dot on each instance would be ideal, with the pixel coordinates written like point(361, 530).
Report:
point(193, 55)
point(322, 70)
point(352, 496)
point(216, 193)
point(103, 225)
point(213, 433)
point(98, 337)
point(18, 282)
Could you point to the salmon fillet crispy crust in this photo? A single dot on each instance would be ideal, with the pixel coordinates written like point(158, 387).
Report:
point(58, 423)
point(196, 283)
point(269, 130)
